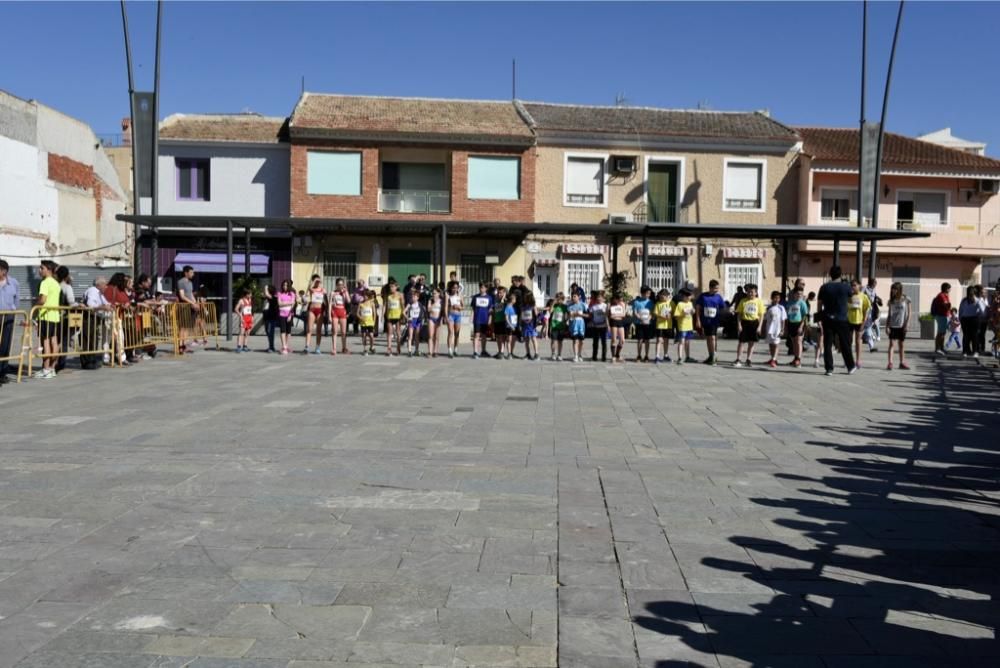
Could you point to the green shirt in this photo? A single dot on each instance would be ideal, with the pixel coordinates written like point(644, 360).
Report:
point(50, 290)
point(560, 314)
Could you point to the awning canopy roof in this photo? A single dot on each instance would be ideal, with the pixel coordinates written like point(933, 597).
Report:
point(424, 227)
point(215, 263)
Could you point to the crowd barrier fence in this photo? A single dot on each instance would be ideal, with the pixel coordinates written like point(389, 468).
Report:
point(10, 322)
point(80, 332)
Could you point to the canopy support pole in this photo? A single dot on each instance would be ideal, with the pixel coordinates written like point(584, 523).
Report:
point(645, 255)
point(443, 251)
point(616, 283)
point(784, 269)
point(836, 251)
point(229, 281)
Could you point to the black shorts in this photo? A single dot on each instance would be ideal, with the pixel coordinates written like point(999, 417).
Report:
point(284, 325)
point(393, 321)
point(794, 329)
point(710, 328)
point(48, 330)
point(855, 328)
point(577, 337)
point(897, 334)
point(367, 329)
point(645, 332)
point(750, 334)
point(617, 323)
point(500, 328)
point(665, 334)
point(558, 334)
point(481, 328)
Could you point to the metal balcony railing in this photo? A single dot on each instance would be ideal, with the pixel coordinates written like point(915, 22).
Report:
point(917, 226)
point(643, 213)
point(415, 201)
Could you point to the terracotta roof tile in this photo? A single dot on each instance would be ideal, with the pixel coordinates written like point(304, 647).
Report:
point(841, 145)
point(652, 121)
point(349, 115)
point(249, 128)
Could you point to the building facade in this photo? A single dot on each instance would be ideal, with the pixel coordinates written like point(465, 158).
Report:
point(608, 165)
point(60, 195)
point(400, 160)
point(948, 192)
point(221, 165)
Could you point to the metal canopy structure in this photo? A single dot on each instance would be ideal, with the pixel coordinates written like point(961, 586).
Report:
point(440, 230)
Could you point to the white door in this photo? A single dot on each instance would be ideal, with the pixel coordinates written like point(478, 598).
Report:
point(545, 283)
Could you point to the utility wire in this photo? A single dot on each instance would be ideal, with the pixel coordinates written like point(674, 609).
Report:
point(83, 252)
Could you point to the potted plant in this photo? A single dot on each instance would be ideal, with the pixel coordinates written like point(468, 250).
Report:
point(927, 326)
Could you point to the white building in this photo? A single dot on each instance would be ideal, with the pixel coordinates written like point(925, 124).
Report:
point(59, 195)
point(943, 137)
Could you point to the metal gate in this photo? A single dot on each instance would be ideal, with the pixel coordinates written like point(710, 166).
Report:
point(662, 274)
point(585, 273)
point(343, 264)
point(472, 269)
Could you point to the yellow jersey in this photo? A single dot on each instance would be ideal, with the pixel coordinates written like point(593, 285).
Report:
point(684, 316)
point(366, 313)
point(394, 306)
point(857, 306)
point(751, 309)
point(663, 315)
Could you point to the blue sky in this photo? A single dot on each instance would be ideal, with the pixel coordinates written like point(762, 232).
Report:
point(800, 60)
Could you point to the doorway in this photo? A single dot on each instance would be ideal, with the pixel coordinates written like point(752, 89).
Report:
point(406, 261)
point(545, 282)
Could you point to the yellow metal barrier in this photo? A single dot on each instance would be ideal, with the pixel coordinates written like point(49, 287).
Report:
point(12, 322)
point(72, 331)
point(147, 326)
point(195, 324)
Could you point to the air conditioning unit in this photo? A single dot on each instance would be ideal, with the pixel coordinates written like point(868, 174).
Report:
point(623, 164)
point(620, 218)
point(989, 186)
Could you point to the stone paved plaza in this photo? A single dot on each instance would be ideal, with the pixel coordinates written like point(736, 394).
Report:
point(263, 512)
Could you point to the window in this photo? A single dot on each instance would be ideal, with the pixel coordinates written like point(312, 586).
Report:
point(494, 178)
point(415, 187)
point(838, 206)
point(744, 185)
point(921, 209)
point(584, 184)
point(741, 273)
point(472, 269)
point(329, 173)
point(340, 265)
point(192, 179)
point(585, 273)
point(663, 273)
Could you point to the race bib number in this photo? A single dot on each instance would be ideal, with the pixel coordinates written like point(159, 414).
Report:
point(793, 310)
point(557, 316)
point(366, 312)
point(711, 311)
point(598, 316)
point(617, 312)
point(482, 302)
point(455, 300)
point(338, 300)
point(317, 298)
point(414, 310)
point(856, 303)
point(750, 311)
point(527, 315)
point(247, 310)
point(644, 316)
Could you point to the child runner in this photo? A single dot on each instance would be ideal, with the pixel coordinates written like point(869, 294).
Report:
point(899, 319)
point(500, 329)
point(528, 316)
point(415, 314)
point(683, 315)
point(454, 316)
point(774, 325)
point(858, 308)
point(617, 312)
point(316, 297)
point(749, 322)
point(577, 312)
point(435, 310)
point(366, 319)
point(642, 309)
point(599, 326)
point(708, 311)
point(244, 311)
point(558, 326)
point(393, 314)
point(664, 325)
point(286, 311)
point(482, 307)
point(542, 322)
point(340, 300)
point(954, 330)
point(510, 319)
point(798, 312)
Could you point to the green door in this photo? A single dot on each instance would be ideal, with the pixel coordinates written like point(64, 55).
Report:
point(662, 192)
point(406, 261)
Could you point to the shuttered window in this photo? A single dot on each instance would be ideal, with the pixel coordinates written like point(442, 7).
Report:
point(331, 173)
point(743, 186)
point(494, 177)
point(584, 180)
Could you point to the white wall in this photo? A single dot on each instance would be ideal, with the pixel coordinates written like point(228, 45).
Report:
point(29, 204)
point(244, 180)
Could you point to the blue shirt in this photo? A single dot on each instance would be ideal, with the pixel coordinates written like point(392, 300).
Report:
point(511, 314)
point(711, 307)
point(9, 294)
point(577, 325)
point(797, 310)
point(482, 305)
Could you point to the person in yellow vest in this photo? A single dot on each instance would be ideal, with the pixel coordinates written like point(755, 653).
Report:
point(684, 325)
point(393, 316)
point(749, 322)
point(366, 319)
point(48, 318)
point(858, 308)
point(663, 310)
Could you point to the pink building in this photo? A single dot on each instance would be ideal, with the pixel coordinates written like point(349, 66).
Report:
point(950, 193)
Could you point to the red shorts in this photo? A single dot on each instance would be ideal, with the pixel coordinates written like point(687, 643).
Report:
point(339, 313)
point(316, 311)
point(247, 323)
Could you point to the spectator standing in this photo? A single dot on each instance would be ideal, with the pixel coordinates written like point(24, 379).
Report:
point(97, 321)
point(8, 302)
point(270, 315)
point(969, 312)
point(49, 294)
point(185, 295)
point(67, 298)
point(898, 321)
point(984, 319)
point(941, 309)
point(872, 335)
point(832, 309)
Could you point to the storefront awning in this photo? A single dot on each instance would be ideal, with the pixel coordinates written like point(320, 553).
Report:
point(215, 263)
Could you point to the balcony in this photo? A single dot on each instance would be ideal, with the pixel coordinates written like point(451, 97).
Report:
point(930, 226)
point(414, 201)
point(646, 213)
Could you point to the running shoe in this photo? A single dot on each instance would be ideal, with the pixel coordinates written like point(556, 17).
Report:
point(828, 373)
point(904, 367)
point(852, 370)
point(773, 364)
point(738, 364)
point(888, 367)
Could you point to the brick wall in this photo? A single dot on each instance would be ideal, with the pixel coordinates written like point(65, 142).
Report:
point(365, 206)
point(70, 172)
